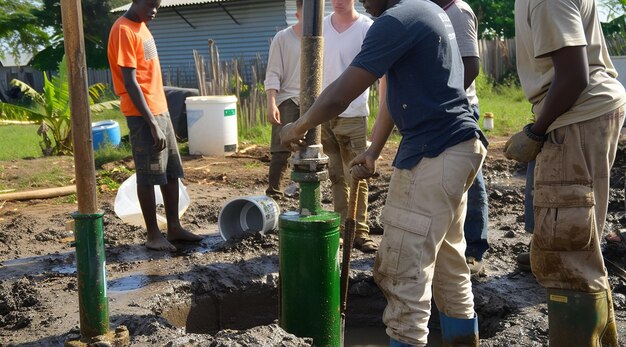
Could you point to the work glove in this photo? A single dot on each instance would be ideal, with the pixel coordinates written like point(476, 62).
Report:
point(524, 146)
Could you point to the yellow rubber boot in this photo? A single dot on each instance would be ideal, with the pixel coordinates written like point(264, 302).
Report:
point(609, 338)
point(577, 318)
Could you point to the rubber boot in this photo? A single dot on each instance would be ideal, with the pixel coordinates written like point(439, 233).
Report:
point(395, 343)
point(456, 332)
point(609, 337)
point(278, 166)
point(577, 318)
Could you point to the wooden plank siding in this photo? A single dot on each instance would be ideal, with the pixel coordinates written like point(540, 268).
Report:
point(497, 57)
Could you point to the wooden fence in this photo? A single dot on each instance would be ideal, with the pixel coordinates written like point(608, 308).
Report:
point(243, 77)
point(616, 45)
point(35, 79)
point(497, 57)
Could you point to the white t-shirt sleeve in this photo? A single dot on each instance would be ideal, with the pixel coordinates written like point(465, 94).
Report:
point(274, 69)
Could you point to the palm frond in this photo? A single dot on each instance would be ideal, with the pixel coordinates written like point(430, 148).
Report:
point(15, 112)
point(48, 95)
point(107, 105)
point(28, 91)
point(56, 97)
point(96, 91)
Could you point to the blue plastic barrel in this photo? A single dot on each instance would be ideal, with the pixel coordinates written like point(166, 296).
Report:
point(106, 131)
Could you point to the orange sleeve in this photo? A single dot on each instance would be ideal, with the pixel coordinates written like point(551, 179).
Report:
point(127, 48)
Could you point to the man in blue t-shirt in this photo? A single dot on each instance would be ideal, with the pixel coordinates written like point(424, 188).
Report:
point(412, 42)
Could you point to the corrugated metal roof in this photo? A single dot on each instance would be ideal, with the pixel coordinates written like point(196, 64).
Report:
point(9, 60)
point(171, 3)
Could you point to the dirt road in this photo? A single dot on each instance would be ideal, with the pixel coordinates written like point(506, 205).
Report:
point(225, 293)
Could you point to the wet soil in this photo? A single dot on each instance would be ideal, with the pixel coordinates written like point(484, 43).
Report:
point(222, 293)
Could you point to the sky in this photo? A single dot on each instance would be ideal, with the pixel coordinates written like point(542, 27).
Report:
point(603, 12)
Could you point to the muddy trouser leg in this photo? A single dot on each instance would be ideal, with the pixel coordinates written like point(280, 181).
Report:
point(570, 206)
point(351, 135)
point(338, 183)
point(278, 167)
point(425, 209)
point(289, 112)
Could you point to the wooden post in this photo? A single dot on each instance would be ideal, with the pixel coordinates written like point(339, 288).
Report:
point(71, 15)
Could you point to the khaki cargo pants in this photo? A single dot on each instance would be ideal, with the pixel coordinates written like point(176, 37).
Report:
point(572, 175)
point(343, 139)
point(423, 245)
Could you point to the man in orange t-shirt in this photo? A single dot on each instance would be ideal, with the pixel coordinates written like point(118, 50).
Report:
point(137, 80)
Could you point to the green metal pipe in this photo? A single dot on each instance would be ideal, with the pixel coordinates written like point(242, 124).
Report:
point(91, 268)
point(310, 198)
point(309, 276)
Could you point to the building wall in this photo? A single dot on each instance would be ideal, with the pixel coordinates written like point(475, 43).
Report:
point(176, 39)
point(180, 30)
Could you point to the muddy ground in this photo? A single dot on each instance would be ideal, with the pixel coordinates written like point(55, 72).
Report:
point(225, 293)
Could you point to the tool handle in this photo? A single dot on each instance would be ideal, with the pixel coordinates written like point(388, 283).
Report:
point(354, 195)
point(348, 241)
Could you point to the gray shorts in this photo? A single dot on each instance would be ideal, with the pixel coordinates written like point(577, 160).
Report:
point(154, 168)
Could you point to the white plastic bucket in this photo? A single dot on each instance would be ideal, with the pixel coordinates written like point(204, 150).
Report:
point(212, 124)
point(127, 206)
point(248, 215)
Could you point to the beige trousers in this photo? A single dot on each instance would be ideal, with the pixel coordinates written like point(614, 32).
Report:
point(572, 175)
point(423, 245)
point(343, 139)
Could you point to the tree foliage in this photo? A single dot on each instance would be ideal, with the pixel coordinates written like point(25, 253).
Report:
point(97, 21)
point(496, 18)
point(20, 30)
point(613, 8)
point(37, 27)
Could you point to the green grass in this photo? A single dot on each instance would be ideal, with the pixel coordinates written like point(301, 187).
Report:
point(508, 104)
point(19, 141)
point(108, 153)
point(259, 134)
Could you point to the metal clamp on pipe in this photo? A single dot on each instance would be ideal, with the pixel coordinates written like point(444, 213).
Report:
point(310, 164)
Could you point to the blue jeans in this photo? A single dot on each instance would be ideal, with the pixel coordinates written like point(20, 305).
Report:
point(475, 227)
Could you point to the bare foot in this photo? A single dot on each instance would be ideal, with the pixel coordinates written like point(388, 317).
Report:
point(180, 234)
point(159, 243)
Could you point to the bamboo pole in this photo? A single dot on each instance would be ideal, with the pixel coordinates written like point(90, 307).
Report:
point(79, 105)
point(39, 193)
point(212, 62)
point(90, 257)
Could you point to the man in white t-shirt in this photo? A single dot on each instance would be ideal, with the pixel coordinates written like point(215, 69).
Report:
point(282, 87)
point(345, 137)
point(566, 73)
